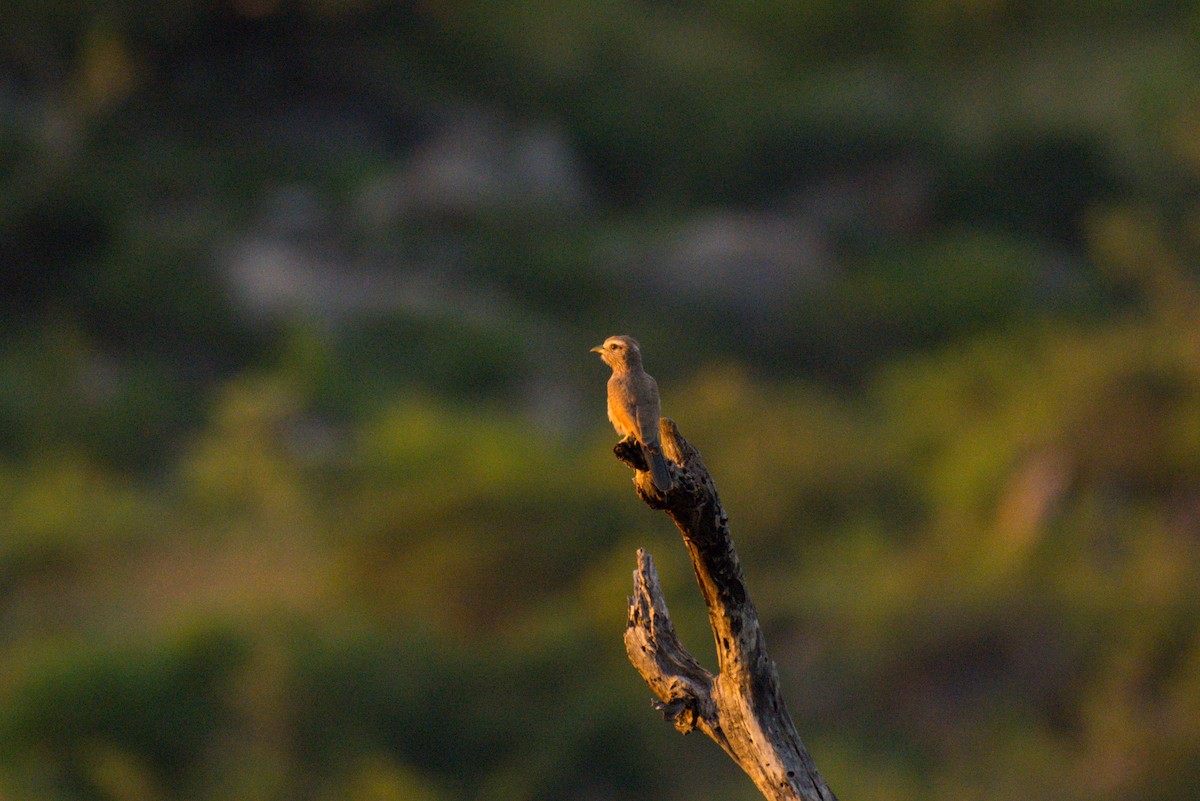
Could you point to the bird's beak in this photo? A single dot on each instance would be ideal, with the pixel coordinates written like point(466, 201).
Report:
point(597, 349)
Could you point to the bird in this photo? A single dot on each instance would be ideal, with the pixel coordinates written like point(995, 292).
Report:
point(633, 405)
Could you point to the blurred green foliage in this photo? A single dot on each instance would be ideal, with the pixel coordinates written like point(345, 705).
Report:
point(305, 487)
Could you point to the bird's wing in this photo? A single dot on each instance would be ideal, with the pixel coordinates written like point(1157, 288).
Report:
point(647, 412)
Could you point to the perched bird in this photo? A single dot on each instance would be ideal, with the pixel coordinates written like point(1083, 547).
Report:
point(633, 406)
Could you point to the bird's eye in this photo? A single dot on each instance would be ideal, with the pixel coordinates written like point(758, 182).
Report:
point(615, 345)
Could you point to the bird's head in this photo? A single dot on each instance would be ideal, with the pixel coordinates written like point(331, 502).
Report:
point(620, 352)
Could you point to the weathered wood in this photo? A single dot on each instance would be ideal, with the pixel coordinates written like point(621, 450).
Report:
point(741, 708)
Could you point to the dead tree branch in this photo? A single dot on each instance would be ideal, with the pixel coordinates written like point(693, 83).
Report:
point(741, 708)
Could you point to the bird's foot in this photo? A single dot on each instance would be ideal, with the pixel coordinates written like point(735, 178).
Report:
point(630, 451)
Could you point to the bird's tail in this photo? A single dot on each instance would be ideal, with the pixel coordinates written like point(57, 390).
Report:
point(658, 469)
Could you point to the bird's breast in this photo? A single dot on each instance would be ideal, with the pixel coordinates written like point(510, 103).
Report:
point(621, 409)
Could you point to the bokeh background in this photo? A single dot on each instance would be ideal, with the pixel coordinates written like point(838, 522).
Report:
point(305, 481)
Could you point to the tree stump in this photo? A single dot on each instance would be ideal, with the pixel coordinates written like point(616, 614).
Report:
point(741, 708)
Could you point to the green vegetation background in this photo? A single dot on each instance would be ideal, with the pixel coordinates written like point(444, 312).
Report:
point(305, 482)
